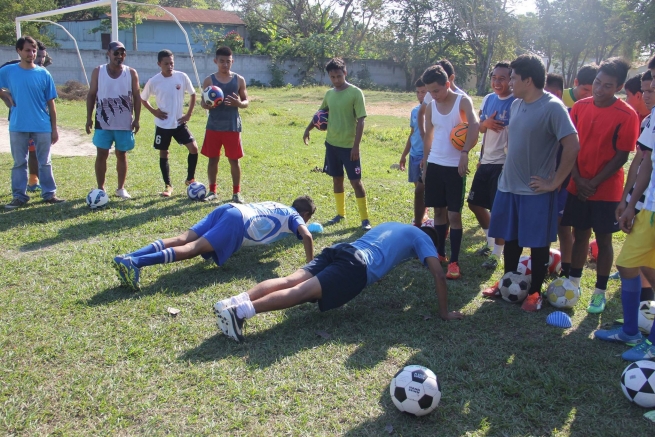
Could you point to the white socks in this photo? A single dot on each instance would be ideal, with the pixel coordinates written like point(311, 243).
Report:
point(245, 310)
point(490, 241)
point(236, 300)
point(575, 281)
point(498, 250)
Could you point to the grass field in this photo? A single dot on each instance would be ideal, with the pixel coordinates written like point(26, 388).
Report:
point(82, 356)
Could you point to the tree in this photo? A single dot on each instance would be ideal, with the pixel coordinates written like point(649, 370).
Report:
point(10, 9)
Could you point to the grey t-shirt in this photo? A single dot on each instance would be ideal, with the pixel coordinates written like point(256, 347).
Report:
point(535, 130)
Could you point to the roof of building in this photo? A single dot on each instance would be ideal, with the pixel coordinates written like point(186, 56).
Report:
point(200, 16)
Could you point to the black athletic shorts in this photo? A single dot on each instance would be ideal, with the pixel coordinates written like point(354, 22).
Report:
point(163, 137)
point(484, 186)
point(595, 214)
point(341, 271)
point(336, 158)
point(444, 187)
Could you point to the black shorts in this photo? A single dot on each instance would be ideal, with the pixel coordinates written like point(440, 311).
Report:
point(444, 187)
point(595, 214)
point(341, 271)
point(484, 186)
point(336, 158)
point(182, 135)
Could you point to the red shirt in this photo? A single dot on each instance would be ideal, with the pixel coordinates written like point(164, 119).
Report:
point(603, 131)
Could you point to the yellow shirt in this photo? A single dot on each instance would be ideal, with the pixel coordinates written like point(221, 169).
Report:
point(568, 98)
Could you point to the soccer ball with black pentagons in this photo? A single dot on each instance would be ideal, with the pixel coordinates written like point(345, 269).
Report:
point(638, 383)
point(96, 198)
point(415, 390)
point(514, 287)
point(646, 315)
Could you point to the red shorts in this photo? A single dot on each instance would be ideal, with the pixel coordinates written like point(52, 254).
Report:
point(214, 140)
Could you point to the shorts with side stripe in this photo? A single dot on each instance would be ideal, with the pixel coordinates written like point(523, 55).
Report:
point(530, 219)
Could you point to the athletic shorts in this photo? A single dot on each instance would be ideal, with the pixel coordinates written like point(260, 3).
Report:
point(30, 146)
point(163, 137)
point(336, 158)
point(214, 140)
point(562, 196)
point(639, 246)
point(414, 168)
point(444, 187)
point(223, 228)
point(595, 214)
point(341, 271)
point(123, 140)
point(530, 219)
point(484, 186)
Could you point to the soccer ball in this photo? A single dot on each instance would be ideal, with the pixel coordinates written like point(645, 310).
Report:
point(415, 390)
point(561, 293)
point(514, 286)
point(593, 251)
point(638, 383)
point(646, 315)
point(525, 266)
point(212, 96)
point(97, 199)
point(555, 261)
point(320, 119)
point(196, 191)
point(458, 135)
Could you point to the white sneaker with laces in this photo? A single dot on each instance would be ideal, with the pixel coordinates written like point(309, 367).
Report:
point(123, 194)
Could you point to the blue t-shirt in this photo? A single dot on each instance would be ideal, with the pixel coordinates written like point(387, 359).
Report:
point(388, 244)
point(267, 222)
point(31, 91)
point(495, 143)
point(415, 140)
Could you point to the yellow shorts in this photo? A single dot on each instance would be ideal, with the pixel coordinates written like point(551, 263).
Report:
point(639, 246)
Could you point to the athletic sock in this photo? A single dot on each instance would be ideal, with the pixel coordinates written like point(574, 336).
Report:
point(490, 241)
point(646, 294)
point(245, 310)
point(192, 161)
point(441, 232)
point(630, 289)
point(362, 206)
point(512, 255)
point(455, 244)
point(157, 246)
point(601, 282)
point(575, 276)
point(236, 300)
point(540, 257)
point(498, 250)
point(212, 188)
point(164, 257)
point(165, 170)
point(340, 199)
point(236, 189)
point(566, 270)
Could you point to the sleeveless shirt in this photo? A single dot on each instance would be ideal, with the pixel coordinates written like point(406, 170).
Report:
point(225, 118)
point(442, 152)
point(114, 100)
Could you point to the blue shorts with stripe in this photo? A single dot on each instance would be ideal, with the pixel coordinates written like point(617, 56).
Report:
point(223, 228)
point(530, 219)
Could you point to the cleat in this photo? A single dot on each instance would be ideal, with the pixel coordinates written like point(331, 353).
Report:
point(597, 304)
point(130, 273)
point(33, 188)
point(210, 196)
point(491, 263)
point(334, 220)
point(167, 191)
point(443, 259)
point(493, 291)
point(116, 263)
point(453, 271)
point(483, 251)
point(532, 302)
point(615, 275)
point(54, 200)
point(643, 351)
point(237, 198)
point(366, 225)
point(617, 335)
point(123, 194)
point(15, 203)
point(189, 182)
point(230, 324)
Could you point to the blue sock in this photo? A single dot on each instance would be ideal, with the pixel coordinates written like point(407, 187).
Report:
point(455, 244)
point(630, 293)
point(155, 247)
point(441, 232)
point(164, 257)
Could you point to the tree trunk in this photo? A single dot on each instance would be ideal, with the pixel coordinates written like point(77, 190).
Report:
point(134, 42)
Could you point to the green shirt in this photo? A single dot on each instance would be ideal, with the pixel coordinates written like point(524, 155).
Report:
point(344, 107)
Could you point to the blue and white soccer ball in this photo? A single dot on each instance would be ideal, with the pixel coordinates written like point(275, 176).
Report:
point(196, 191)
point(96, 198)
point(638, 383)
point(415, 390)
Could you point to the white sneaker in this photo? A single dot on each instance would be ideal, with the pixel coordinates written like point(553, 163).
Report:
point(123, 194)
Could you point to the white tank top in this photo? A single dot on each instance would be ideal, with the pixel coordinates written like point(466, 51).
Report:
point(441, 151)
point(114, 100)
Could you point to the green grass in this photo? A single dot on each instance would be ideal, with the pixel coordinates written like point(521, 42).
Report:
point(82, 356)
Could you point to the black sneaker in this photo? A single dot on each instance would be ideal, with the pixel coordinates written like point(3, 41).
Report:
point(210, 197)
point(54, 200)
point(483, 251)
point(334, 220)
point(230, 324)
point(15, 203)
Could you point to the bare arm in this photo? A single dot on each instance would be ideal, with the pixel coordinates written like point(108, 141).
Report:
point(54, 136)
point(408, 146)
point(643, 179)
point(240, 100)
point(91, 99)
point(136, 99)
point(359, 131)
point(6, 97)
point(571, 147)
point(421, 119)
point(466, 106)
point(156, 112)
point(305, 136)
point(428, 137)
point(441, 289)
point(307, 241)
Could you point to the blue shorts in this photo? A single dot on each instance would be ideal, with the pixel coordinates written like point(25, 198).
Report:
point(122, 139)
point(530, 219)
point(223, 228)
point(414, 168)
point(336, 158)
point(561, 201)
point(341, 271)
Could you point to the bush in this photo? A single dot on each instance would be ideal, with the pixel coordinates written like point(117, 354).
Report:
point(73, 90)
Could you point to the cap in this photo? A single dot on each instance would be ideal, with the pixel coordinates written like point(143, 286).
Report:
point(115, 45)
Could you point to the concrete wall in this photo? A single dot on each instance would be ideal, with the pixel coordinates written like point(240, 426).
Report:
point(66, 66)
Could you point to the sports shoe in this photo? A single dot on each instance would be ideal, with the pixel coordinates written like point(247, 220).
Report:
point(129, 273)
point(493, 291)
point(237, 198)
point(491, 263)
point(334, 220)
point(167, 191)
point(615, 275)
point(597, 304)
point(230, 324)
point(453, 271)
point(443, 259)
point(116, 264)
point(210, 196)
point(483, 251)
point(33, 188)
point(532, 302)
point(643, 351)
point(15, 203)
point(617, 335)
point(189, 182)
point(54, 200)
point(366, 225)
point(123, 194)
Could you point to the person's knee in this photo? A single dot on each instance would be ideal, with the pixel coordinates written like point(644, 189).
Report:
point(581, 235)
point(455, 219)
point(628, 272)
point(163, 154)
point(193, 148)
point(102, 154)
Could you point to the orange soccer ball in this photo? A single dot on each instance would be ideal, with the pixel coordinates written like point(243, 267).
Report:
point(458, 135)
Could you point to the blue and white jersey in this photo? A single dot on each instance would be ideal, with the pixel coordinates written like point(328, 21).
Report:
point(495, 143)
point(267, 222)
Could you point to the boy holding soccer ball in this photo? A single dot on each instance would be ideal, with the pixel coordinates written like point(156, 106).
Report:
point(169, 87)
point(224, 123)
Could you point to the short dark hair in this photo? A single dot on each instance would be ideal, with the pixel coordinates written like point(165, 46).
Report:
point(432, 233)
point(530, 66)
point(447, 67)
point(304, 204)
point(501, 64)
point(587, 74)
point(634, 83)
point(554, 80)
point(223, 51)
point(418, 83)
point(651, 62)
point(647, 76)
point(20, 43)
point(335, 64)
point(615, 67)
point(40, 45)
point(435, 73)
point(164, 54)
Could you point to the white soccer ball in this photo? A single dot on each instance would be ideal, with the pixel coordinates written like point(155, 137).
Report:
point(638, 383)
point(561, 293)
point(514, 286)
point(525, 265)
point(415, 390)
point(96, 198)
point(554, 261)
point(196, 191)
point(646, 315)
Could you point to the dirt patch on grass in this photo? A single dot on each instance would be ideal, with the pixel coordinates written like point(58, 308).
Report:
point(71, 142)
point(394, 109)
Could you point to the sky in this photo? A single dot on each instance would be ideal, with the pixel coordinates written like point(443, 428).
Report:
point(523, 6)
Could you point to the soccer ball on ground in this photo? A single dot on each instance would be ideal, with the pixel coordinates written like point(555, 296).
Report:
point(646, 315)
point(212, 96)
point(320, 119)
point(561, 293)
point(555, 261)
point(638, 383)
point(97, 199)
point(415, 390)
point(525, 266)
point(514, 287)
point(196, 191)
point(458, 135)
